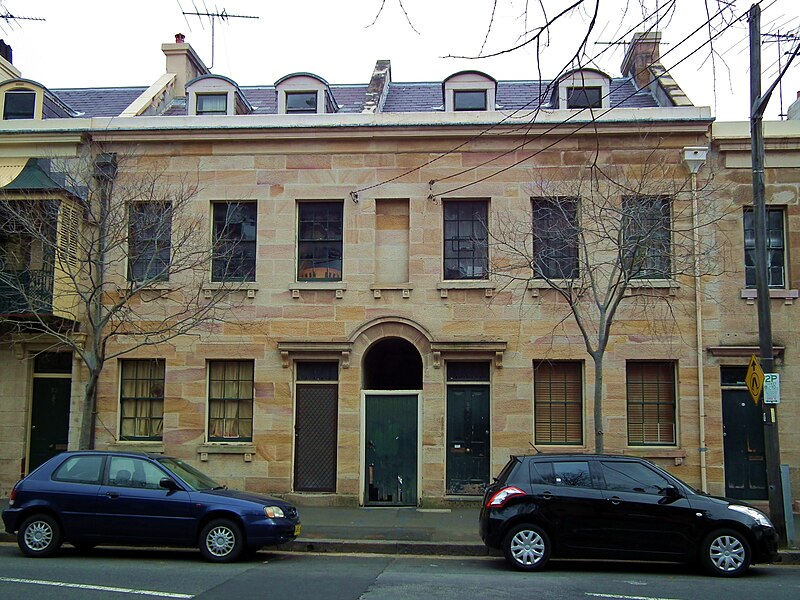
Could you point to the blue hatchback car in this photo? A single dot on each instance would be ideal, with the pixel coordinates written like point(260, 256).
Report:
point(90, 498)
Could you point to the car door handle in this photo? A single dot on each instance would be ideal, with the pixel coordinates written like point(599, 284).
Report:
point(112, 494)
point(615, 500)
point(547, 496)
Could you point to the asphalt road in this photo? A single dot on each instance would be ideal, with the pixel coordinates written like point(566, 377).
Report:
point(179, 574)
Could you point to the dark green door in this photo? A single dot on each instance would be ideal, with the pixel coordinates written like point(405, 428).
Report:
point(743, 443)
point(49, 419)
point(391, 450)
point(467, 439)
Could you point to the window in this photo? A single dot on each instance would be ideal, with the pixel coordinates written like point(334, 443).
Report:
point(230, 401)
point(19, 105)
point(776, 249)
point(651, 403)
point(565, 473)
point(555, 238)
point(234, 241)
point(469, 99)
point(212, 104)
point(466, 248)
point(149, 241)
point(301, 102)
point(126, 471)
point(319, 241)
point(646, 237)
point(80, 469)
point(584, 97)
point(632, 477)
point(558, 402)
point(142, 400)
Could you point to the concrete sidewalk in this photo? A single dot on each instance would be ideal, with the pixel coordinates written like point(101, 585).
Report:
point(384, 530)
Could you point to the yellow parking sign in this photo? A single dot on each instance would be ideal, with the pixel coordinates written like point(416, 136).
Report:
point(754, 378)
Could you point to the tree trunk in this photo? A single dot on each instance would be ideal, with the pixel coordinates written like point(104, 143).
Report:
point(86, 437)
point(599, 446)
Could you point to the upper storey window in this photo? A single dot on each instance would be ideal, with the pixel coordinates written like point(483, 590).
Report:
point(582, 88)
point(304, 93)
point(469, 99)
point(212, 104)
point(469, 91)
point(301, 102)
point(19, 105)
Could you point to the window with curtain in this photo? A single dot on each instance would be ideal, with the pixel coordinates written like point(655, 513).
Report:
point(558, 402)
point(212, 104)
point(235, 237)
point(320, 236)
point(141, 399)
point(230, 401)
point(149, 241)
point(651, 403)
point(466, 240)
point(646, 246)
point(776, 248)
point(555, 238)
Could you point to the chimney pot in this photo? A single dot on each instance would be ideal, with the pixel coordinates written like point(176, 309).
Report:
point(180, 38)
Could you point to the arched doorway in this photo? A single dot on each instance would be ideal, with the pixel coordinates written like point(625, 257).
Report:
point(392, 383)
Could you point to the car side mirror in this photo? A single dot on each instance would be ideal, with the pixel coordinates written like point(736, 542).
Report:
point(169, 484)
point(672, 492)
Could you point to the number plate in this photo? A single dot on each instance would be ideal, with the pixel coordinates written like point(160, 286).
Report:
point(297, 529)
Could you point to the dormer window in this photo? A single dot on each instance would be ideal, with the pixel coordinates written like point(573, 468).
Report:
point(214, 96)
point(469, 100)
point(19, 104)
point(581, 89)
point(301, 102)
point(304, 94)
point(584, 97)
point(212, 104)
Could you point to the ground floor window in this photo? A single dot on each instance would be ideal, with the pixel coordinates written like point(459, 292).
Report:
point(141, 399)
point(558, 402)
point(651, 403)
point(230, 401)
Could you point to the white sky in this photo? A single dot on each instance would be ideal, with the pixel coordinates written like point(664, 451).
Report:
point(106, 43)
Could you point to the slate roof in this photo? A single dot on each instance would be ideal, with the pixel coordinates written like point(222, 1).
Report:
point(401, 98)
point(99, 102)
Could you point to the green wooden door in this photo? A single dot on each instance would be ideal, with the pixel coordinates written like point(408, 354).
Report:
point(49, 419)
point(391, 450)
point(467, 439)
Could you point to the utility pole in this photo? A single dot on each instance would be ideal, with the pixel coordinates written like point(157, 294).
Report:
point(758, 105)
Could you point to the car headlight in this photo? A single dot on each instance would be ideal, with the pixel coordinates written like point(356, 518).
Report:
point(758, 516)
point(273, 512)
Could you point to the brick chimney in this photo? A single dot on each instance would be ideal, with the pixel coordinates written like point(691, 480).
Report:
point(183, 61)
point(642, 52)
point(7, 70)
point(378, 87)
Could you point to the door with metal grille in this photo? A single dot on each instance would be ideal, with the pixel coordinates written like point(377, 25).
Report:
point(315, 431)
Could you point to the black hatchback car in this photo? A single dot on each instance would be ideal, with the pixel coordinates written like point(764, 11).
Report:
point(616, 507)
point(93, 497)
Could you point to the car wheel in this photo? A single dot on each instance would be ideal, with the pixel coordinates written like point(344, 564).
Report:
point(725, 553)
point(527, 547)
point(39, 536)
point(221, 541)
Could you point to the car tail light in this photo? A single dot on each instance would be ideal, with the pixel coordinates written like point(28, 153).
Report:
point(500, 497)
point(13, 495)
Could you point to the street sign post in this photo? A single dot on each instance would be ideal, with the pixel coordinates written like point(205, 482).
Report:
point(772, 388)
point(754, 378)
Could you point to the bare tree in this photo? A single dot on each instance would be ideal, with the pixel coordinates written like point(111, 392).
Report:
point(607, 240)
point(107, 248)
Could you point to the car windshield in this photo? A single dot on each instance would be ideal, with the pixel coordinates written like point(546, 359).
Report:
point(188, 474)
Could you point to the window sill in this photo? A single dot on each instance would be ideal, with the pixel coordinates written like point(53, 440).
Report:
point(675, 454)
point(788, 296)
point(244, 449)
point(138, 446)
point(486, 285)
point(404, 288)
point(249, 287)
point(338, 287)
point(634, 285)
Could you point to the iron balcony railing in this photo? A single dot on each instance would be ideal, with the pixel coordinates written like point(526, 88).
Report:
point(26, 292)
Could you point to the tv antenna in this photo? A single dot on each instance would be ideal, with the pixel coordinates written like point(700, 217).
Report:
point(213, 16)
